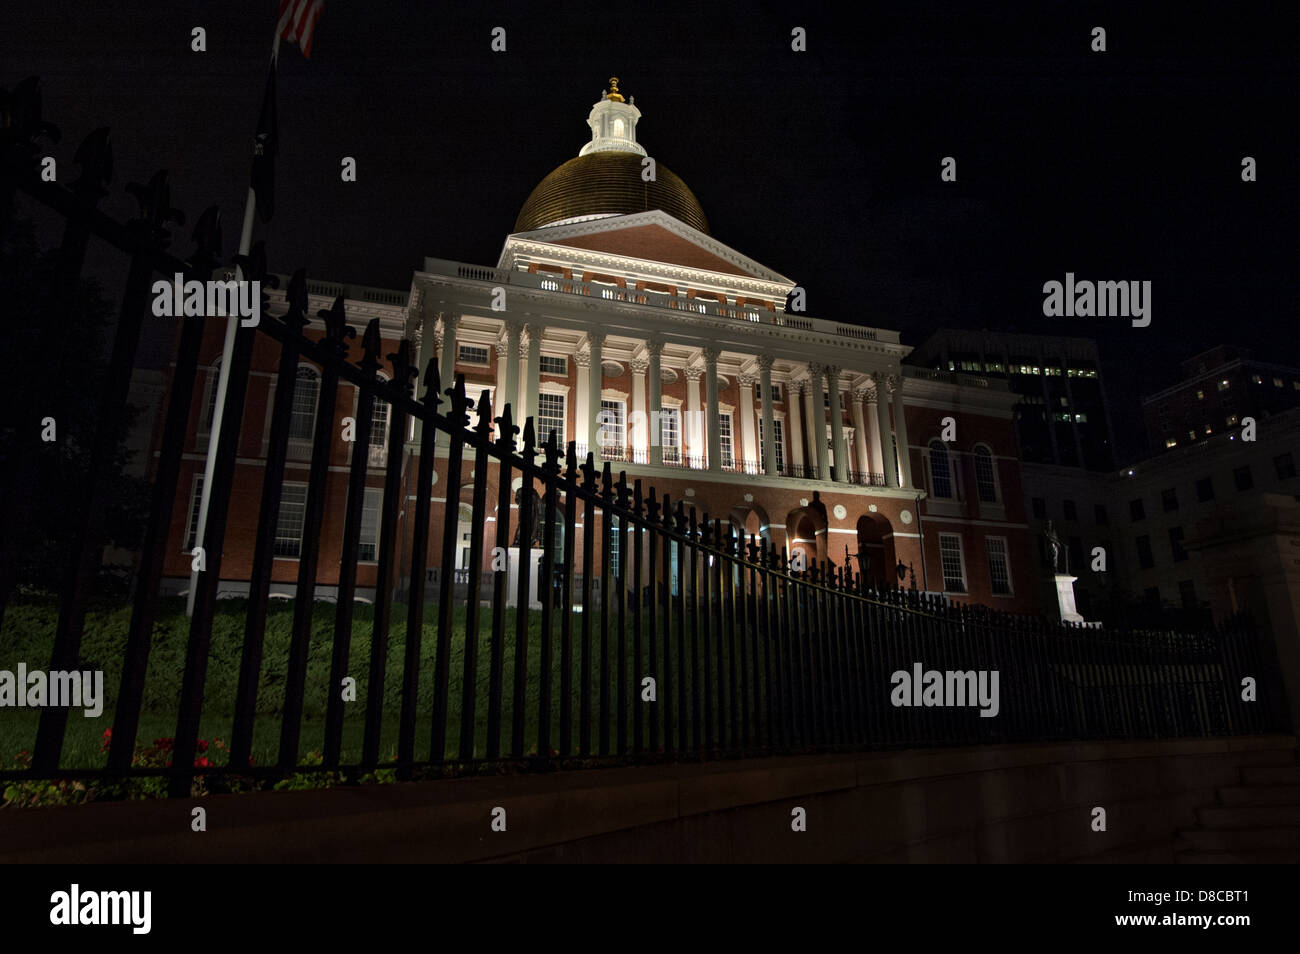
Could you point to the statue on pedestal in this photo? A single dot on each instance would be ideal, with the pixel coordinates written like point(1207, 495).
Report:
point(1057, 548)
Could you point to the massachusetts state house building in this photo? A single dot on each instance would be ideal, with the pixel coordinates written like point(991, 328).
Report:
point(616, 320)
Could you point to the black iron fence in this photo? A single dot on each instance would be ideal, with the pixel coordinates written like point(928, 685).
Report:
point(649, 630)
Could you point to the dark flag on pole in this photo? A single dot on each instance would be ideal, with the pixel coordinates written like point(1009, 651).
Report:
point(265, 144)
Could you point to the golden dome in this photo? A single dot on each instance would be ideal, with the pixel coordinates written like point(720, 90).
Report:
point(608, 183)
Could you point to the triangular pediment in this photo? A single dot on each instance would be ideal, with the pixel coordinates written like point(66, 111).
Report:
point(652, 236)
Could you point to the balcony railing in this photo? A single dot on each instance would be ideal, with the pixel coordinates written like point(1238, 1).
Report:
point(547, 281)
point(672, 457)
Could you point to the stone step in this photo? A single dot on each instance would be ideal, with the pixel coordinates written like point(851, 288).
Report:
point(1237, 839)
point(1271, 774)
point(1254, 816)
point(1244, 795)
point(1258, 856)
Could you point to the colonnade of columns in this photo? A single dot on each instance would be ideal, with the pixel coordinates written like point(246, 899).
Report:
point(814, 405)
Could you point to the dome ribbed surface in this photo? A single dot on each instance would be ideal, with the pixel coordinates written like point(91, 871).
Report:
point(608, 183)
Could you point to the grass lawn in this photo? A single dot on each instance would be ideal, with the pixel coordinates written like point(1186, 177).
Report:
point(28, 635)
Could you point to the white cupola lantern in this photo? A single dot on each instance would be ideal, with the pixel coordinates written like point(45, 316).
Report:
point(613, 124)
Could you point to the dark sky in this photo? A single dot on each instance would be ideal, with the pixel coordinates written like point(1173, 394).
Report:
point(823, 165)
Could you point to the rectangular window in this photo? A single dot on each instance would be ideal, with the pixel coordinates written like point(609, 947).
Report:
point(670, 434)
point(553, 364)
point(1204, 489)
point(1070, 512)
point(478, 393)
point(1285, 466)
point(1136, 511)
point(613, 546)
point(1176, 544)
point(1145, 559)
point(954, 571)
point(1169, 499)
point(550, 418)
point(378, 433)
point(368, 549)
point(613, 431)
point(1040, 508)
point(1187, 593)
point(776, 442)
point(288, 528)
point(999, 570)
point(196, 496)
point(724, 435)
point(472, 354)
point(1243, 478)
point(1103, 518)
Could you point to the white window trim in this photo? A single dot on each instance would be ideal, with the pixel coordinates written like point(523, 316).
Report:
point(554, 374)
point(961, 556)
point(194, 492)
point(993, 466)
point(274, 555)
point(485, 345)
point(1006, 556)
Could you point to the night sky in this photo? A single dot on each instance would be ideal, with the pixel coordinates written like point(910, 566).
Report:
point(823, 165)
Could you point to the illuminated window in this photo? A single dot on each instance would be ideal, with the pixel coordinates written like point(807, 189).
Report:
point(940, 471)
point(472, 354)
point(954, 570)
point(293, 513)
point(306, 389)
point(550, 417)
point(553, 364)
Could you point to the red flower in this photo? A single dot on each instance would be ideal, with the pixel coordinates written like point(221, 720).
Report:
point(202, 762)
point(203, 745)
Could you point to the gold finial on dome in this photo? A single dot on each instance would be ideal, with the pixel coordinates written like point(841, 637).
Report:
point(613, 90)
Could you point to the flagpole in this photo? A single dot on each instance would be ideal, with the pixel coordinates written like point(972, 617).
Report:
point(223, 375)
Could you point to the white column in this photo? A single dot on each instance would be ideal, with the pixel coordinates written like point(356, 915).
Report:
point(693, 425)
point(714, 438)
point(499, 393)
point(640, 425)
point(447, 360)
point(531, 388)
point(595, 380)
point(749, 439)
point(817, 420)
point(842, 463)
point(860, 432)
point(655, 348)
point(900, 428)
point(794, 400)
point(583, 395)
point(875, 422)
point(769, 428)
point(510, 392)
point(810, 417)
point(885, 431)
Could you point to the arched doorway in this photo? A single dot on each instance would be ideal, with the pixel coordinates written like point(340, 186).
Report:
point(876, 554)
point(806, 530)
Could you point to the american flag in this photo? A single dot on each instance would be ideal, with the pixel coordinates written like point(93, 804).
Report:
point(298, 21)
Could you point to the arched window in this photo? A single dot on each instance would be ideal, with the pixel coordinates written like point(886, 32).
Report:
point(940, 470)
point(306, 390)
point(985, 479)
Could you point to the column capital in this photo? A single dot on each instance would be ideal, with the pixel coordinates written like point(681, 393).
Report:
point(815, 368)
point(503, 349)
point(449, 321)
point(640, 365)
point(654, 346)
point(582, 359)
point(765, 362)
point(796, 387)
point(513, 328)
point(595, 340)
point(865, 393)
point(746, 380)
point(832, 372)
point(711, 355)
point(693, 373)
point(895, 382)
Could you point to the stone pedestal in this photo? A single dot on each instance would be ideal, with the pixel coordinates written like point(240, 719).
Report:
point(1065, 598)
point(512, 577)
